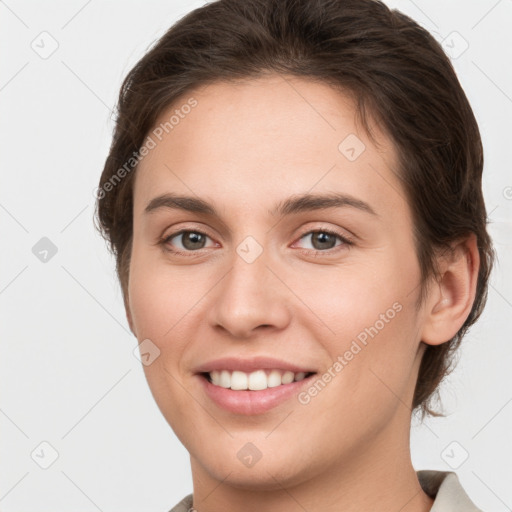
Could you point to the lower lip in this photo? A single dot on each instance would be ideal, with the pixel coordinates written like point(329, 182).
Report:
point(252, 402)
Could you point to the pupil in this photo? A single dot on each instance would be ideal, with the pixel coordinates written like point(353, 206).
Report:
point(193, 240)
point(323, 239)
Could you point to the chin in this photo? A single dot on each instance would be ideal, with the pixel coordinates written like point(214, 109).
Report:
point(267, 474)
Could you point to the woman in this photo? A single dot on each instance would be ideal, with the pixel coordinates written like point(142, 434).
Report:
point(293, 195)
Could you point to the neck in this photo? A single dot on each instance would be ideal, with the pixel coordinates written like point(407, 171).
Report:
point(378, 475)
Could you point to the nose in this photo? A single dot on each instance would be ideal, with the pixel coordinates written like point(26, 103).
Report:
point(250, 298)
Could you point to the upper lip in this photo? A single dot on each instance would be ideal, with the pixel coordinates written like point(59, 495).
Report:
point(250, 365)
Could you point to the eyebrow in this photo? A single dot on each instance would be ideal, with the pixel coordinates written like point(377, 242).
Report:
point(293, 205)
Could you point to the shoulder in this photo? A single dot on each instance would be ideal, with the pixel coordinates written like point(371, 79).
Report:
point(185, 505)
point(447, 491)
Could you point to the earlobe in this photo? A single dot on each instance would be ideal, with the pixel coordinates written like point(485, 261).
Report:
point(451, 297)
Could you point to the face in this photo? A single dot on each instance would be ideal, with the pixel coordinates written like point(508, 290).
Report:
point(290, 269)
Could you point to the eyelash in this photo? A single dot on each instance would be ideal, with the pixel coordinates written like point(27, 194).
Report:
point(345, 241)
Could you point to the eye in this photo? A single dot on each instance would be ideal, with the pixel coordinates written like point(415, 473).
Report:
point(186, 241)
point(323, 240)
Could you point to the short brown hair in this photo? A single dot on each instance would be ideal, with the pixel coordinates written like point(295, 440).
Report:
point(394, 69)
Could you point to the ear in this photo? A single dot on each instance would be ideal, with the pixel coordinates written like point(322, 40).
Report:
point(451, 298)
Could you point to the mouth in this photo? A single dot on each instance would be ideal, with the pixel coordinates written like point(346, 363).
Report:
point(253, 393)
point(257, 380)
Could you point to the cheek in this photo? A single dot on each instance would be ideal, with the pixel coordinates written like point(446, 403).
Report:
point(160, 309)
point(159, 298)
point(350, 298)
point(372, 328)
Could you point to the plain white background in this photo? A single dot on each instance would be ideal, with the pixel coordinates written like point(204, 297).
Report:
point(69, 377)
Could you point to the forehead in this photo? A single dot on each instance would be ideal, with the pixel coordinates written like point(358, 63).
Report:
point(259, 137)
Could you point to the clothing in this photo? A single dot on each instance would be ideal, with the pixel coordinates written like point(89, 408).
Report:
point(443, 486)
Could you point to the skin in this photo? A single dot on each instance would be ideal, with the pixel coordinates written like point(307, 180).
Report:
point(245, 148)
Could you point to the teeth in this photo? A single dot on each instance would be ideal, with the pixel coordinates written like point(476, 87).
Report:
point(239, 380)
point(255, 381)
point(287, 377)
point(274, 379)
point(225, 379)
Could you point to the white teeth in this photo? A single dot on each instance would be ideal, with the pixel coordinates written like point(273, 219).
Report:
point(274, 379)
point(254, 381)
point(239, 380)
point(257, 380)
point(287, 377)
point(215, 376)
point(225, 379)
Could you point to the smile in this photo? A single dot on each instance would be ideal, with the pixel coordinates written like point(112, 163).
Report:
point(255, 381)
